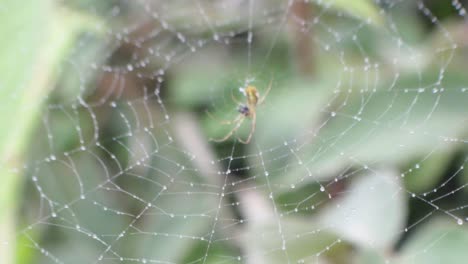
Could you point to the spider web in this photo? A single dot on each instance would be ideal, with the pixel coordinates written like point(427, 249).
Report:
point(358, 152)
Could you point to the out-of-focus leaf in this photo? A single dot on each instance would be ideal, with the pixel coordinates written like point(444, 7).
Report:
point(218, 253)
point(369, 256)
point(410, 29)
point(30, 59)
point(92, 216)
point(464, 178)
point(300, 241)
point(292, 111)
point(274, 236)
point(363, 129)
point(371, 213)
point(23, 83)
point(303, 200)
point(24, 253)
point(197, 80)
point(37, 38)
point(438, 241)
point(170, 233)
point(362, 9)
point(24, 76)
point(424, 174)
point(171, 237)
point(293, 108)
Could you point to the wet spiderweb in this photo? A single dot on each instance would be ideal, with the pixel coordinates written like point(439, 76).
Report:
point(360, 144)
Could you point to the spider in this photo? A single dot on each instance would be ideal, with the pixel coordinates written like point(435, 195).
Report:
point(246, 110)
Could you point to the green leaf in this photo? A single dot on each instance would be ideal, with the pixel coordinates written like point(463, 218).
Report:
point(300, 241)
point(362, 9)
point(424, 174)
point(438, 241)
point(170, 232)
point(371, 213)
point(198, 82)
point(289, 117)
point(38, 39)
point(369, 256)
point(406, 127)
point(20, 67)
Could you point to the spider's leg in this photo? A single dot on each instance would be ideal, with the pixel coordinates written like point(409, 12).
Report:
point(252, 130)
point(238, 122)
point(223, 122)
point(266, 92)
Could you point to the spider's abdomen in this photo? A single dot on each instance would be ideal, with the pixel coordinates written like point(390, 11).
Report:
point(243, 109)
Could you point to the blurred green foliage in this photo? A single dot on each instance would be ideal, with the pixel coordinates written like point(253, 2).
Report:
point(354, 186)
